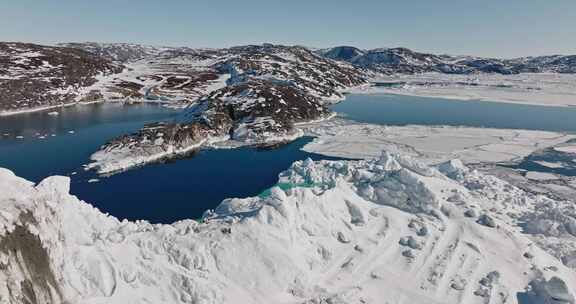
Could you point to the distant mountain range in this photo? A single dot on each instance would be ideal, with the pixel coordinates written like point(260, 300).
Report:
point(402, 60)
point(35, 76)
point(380, 60)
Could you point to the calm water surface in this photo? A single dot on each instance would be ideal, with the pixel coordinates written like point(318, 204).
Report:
point(187, 187)
point(160, 193)
point(78, 132)
point(402, 110)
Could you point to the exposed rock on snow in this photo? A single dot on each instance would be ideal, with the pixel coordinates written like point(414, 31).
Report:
point(487, 221)
point(410, 242)
point(270, 89)
point(403, 60)
point(333, 237)
point(161, 141)
point(38, 77)
point(470, 213)
point(34, 76)
point(121, 52)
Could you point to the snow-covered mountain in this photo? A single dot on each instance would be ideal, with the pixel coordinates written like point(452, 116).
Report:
point(551, 64)
point(384, 60)
point(121, 52)
point(35, 76)
point(253, 94)
point(269, 89)
point(389, 230)
point(405, 61)
point(342, 53)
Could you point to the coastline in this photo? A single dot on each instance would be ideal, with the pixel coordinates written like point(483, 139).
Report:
point(167, 104)
point(534, 98)
point(105, 163)
point(455, 97)
point(537, 89)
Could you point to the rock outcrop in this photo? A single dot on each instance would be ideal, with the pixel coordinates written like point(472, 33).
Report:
point(36, 76)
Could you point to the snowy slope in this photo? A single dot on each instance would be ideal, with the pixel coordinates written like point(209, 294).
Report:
point(121, 52)
point(182, 75)
point(547, 89)
point(431, 144)
point(269, 89)
point(406, 61)
point(390, 230)
point(34, 76)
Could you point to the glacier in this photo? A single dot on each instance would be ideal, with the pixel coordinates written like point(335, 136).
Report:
point(391, 229)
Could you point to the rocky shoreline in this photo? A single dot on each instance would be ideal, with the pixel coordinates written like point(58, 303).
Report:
point(270, 90)
point(253, 94)
point(217, 117)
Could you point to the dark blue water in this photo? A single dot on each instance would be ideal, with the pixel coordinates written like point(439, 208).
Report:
point(404, 110)
point(185, 188)
point(93, 125)
point(160, 193)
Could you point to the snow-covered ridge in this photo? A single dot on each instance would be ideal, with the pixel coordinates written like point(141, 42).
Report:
point(386, 230)
point(122, 52)
point(431, 144)
point(545, 89)
point(270, 89)
point(36, 77)
point(405, 61)
point(179, 74)
point(40, 77)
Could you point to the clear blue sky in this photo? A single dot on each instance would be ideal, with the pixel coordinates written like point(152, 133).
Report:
point(499, 28)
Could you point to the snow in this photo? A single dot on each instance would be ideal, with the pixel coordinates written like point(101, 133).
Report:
point(408, 223)
point(566, 149)
point(541, 176)
point(121, 159)
point(217, 84)
point(546, 89)
point(391, 229)
point(31, 110)
point(343, 138)
point(553, 165)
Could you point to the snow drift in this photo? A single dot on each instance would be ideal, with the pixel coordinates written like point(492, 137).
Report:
point(390, 230)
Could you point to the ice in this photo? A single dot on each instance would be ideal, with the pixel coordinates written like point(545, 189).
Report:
point(549, 89)
point(566, 149)
point(408, 222)
point(343, 138)
point(336, 231)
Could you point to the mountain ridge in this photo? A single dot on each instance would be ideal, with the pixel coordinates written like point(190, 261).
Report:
point(403, 60)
